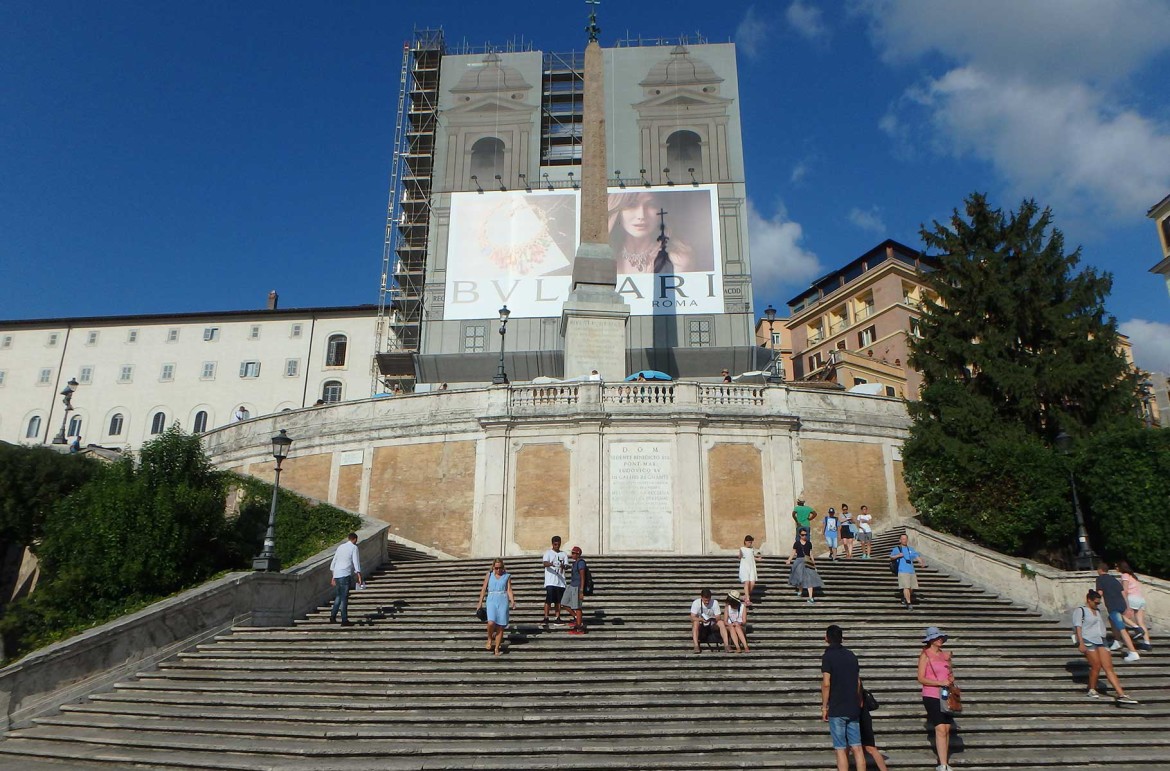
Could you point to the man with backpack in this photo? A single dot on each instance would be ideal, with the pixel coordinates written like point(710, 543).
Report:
point(902, 559)
point(575, 591)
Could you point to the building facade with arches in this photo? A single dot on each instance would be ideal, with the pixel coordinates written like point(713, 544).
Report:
point(138, 375)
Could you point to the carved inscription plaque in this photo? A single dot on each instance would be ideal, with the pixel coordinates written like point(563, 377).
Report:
point(641, 499)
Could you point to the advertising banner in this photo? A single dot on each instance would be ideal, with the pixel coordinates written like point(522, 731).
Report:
point(516, 248)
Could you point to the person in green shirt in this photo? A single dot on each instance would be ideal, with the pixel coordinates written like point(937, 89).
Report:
point(803, 515)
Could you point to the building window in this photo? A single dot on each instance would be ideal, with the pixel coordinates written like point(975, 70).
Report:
point(866, 337)
point(331, 393)
point(85, 375)
point(684, 150)
point(6, 342)
point(168, 373)
point(34, 428)
point(132, 336)
point(200, 424)
point(699, 333)
point(335, 351)
point(815, 362)
point(474, 338)
point(210, 334)
point(254, 332)
point(172, 335)
point(296, 330)
point(292, 367)
point(208, 372)
point(859, 381)
point(74, 426)
point(91, 338)
point(915, 328)
point(158, 423)
point(126, 374)
point(45, 377)
point(53, 337)
point(890, 391)
point(116, 423)
point(487, 159)
point(776, 340)
point(249, 369)
point(1, 377)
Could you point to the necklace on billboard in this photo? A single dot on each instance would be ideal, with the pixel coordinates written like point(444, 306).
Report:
point(639, 260)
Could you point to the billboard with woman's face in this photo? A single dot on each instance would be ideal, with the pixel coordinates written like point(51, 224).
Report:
point(516, 248)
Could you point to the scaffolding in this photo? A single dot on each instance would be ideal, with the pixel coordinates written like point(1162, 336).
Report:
point(408, 212)
point(562, 109)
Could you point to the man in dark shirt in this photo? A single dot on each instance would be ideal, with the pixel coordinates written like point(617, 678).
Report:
point(1115, 604)
point(841, 698)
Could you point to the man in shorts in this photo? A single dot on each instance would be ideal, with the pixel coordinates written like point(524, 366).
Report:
point(1115, 605)
point(575, 591)
point(1090, 635)
point(555, 562)
point(907, 578)
point(706, 624)
point(841, 698)
point(803, 515)
point(865, 532)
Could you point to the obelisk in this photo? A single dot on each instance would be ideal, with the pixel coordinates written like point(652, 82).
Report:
point(593, 318)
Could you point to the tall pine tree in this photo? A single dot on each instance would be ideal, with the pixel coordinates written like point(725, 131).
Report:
point(1016, 349)
point(1019, 338)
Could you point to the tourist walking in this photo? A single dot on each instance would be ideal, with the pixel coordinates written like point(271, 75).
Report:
point(803, 515)
point(1115, 606)
point(575, 591)
point(831, 531)
point(907, 578)
point(848, 531)
point(841, 698)
point(747, 568)
point(868, 740)
point(937, 676)
point(1135, 599)
point(497, 591)
point(1090, 636)
point(706, 624)
point(803, 574)
point(555, 562)
point(735, 619)
point(346, 568)
point(865, 532)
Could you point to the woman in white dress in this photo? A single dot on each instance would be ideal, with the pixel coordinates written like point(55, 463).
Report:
point(747, 568)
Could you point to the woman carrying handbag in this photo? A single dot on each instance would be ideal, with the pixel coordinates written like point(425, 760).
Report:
point(939, 692)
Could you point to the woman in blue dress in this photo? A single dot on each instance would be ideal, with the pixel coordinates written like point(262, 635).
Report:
point(497, 590)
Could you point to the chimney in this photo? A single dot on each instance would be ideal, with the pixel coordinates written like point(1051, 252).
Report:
point(272, 300)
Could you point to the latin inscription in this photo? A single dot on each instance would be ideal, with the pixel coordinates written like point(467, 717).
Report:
point(641, 499)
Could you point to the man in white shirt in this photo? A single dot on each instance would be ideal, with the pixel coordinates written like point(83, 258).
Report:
point(706, 624)
point(345, 566)
point(555, 562)
point(865, 531)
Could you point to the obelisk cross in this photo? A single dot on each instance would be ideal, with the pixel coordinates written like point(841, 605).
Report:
point(663, 256)
point(593, 29)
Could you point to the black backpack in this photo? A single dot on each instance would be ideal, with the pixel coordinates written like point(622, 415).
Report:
point(587, 590)
point(895, 560)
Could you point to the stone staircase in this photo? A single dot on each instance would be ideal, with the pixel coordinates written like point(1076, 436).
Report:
point(409, 686)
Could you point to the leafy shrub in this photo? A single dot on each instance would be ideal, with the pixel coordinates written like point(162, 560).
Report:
point(32, 479)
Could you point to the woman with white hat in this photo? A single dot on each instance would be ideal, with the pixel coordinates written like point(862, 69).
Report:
point(937, 678)
point(734, 618)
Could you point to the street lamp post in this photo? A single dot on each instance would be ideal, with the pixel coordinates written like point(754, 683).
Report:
point(67, 400)
point(1147, 391)
point(267, 561)
point(773, 375)
point(1085, 556)
point(501, 377)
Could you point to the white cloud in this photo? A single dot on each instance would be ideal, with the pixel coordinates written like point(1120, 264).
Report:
point(1059, 143)
point(808, 22)
point(1151, 343)
point(777, 254)
point(1044, 40)
point(799, 172)
point(1036, 90)
point(870, 219)
point(750, 33)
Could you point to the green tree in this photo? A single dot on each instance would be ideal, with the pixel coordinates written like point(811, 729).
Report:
point(32, 479)
point(1016, 348)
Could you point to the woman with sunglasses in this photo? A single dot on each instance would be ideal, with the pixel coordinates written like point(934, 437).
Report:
point(803, 575)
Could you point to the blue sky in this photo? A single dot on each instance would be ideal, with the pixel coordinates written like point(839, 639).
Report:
point(163, 157)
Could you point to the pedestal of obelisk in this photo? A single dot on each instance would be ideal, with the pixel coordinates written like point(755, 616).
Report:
point(593, 318)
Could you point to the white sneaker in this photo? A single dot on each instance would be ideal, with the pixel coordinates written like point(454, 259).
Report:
point(1116, 646)
point(1132, 656)
point(1092, 693)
